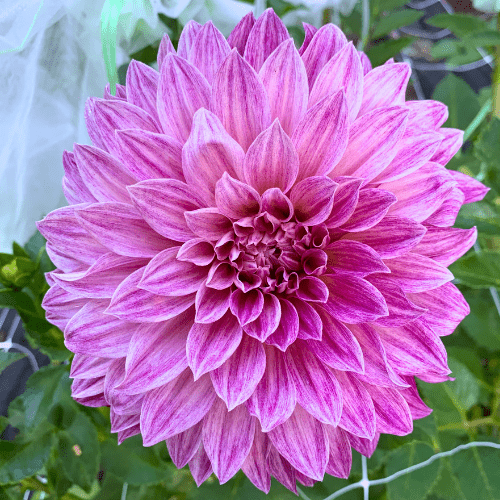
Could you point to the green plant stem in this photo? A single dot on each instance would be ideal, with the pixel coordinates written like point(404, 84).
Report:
point(496, 78)
point(478, 119)
point(365, 25)
point(470, 424)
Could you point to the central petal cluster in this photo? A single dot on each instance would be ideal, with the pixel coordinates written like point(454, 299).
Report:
point(253, 263)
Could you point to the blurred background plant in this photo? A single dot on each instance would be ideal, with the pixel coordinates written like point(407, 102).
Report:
point(53, 448)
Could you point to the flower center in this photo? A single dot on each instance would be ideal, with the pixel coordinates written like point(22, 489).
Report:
point(272, 255)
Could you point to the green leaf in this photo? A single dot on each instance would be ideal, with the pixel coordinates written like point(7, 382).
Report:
point(476, 473)
point(489, 38)
point(380, 52)
point(466, 386)
point(483, 323)
point(18, 272)
point(396, 20)
point(18, 461)
point(46, 337)
point(132, 463)
point(19, 301)
point(445, 48)
point(487, 147)
point(459, 24)
point(481, 214)
point(7, 358)
point(34, 244)
point(478, 270)
point(417, 484)
point(19, 251)
point(454, 92)
point(44, 389)
point(79, 452)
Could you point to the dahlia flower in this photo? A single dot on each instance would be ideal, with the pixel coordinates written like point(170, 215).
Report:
point(252, 266)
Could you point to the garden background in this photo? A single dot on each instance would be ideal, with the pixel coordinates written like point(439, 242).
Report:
point(52, 59)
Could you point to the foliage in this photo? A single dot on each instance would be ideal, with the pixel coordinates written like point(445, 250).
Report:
point(66, 450)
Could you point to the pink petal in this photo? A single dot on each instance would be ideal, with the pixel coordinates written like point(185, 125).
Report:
point(221, 276)
point(365, 62)
point(120, 227)
point(255, 465)
point(84, 366)
point(312, 199)
point(275, 203)
point(289, 439)
point(273, 400)
point(156, 354)
point(422, 192)
point(166, 47)
point(285, 80)
point(122, 422)
point(83, 388)
point(446, 244)
point(200, 466)
point(135, 304)
point(187, 38)
point(92, 128)
point(281, 469)
point(209, 345)
point(353, 257)
point(208, 51)
point(121, 92)
point(364, 446)
point(393, 413)
point(326, 42)
point(181, 92)
point(310, 324)
point(340, 458)
point(288, 327)
point(318, 390)
point(377, 369)
point(427, 114)
point(162, 203)
point(446, 307)
point(235, 381)
point(401, 310)
point(358, 413)
point(309, 32)
point(142, 87)
point(414, 150)
point(105, 177)
point(353, 299)
point(372, 206)
point(183, 446)
point(472, 189)
point(94, 333)
point(247, 307)
point(165, 275)
point(312, 289)
point(175, 407)
point(268, 321)
point(405, 234)
point(343, 70)
point(447, 212)
point(62, 229)
point(452, 142)
point(75, 190)
point(198, 251)
point(240, 100)
point(345, 201)
point(239, 36)
point(321, 136)
point(60, 306)
point(417, 273)
point(414, 348)
point(373, 140)
point(147, 155)
point(209, 152)
point(338, 347)
point(101, 279)
point(227, 438)
point(236, 199)
point(271, 160)
point(211, 304)
point(385, 86)
point(208, 223)
point(417, 407)
point(267, 33)
point(120, 115)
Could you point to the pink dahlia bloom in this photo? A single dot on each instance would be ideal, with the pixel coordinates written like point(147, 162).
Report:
point(252, 266)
